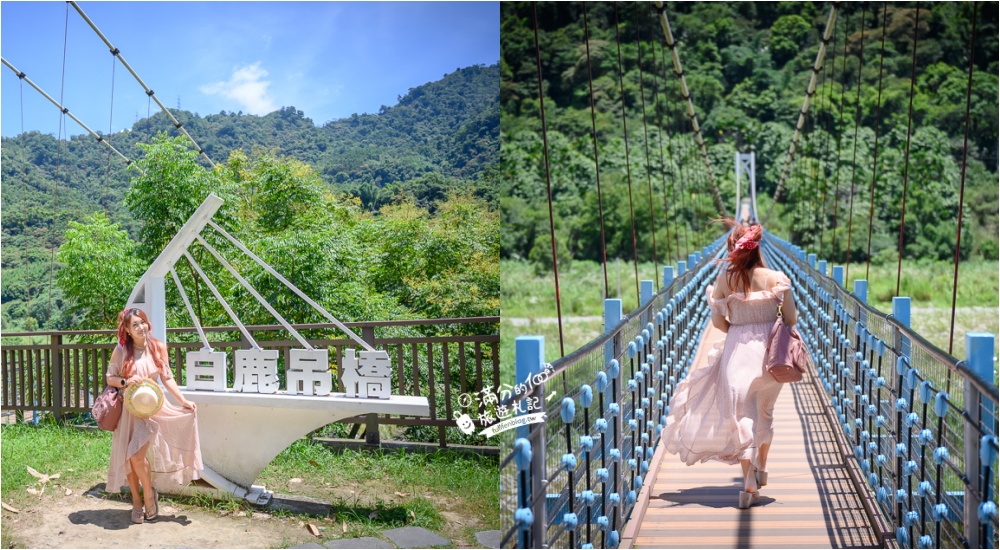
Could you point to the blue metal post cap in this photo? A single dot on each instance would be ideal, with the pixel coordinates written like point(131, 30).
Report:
point(601, 425)
point(924, 489)
point(588, 497)
point(987, 512)
point(940, 512)
point(586, 396)
point(926, 390)
point(569, 521)
point(613, 539)
point(613, 369)
point(614, 499)
point(523, 518)
point(602, 475)
point(631, 497)
point(603, 523)
point(941, 404)
point(910, 468)
point(568, 462)
point(613, 408)
point(925, 436)
point(925, 541)
point(902, 365)
point(586, 443)
point(568, 410)
point(615, 455)
point(601, 383)
point(632, 348)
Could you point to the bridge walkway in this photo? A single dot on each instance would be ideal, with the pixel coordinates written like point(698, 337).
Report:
point(809, 502)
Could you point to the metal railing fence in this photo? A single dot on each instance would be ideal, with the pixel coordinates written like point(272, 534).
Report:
point(573, 478)
point(920, 424)
point(66, 374)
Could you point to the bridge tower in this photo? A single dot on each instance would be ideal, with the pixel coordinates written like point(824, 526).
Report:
point(746, 209)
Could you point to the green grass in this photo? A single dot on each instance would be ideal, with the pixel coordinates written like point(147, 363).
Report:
point(929, 284)
point(445, 492)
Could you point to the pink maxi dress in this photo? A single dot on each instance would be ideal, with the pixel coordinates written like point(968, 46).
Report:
point(725, 410)
point(174, 453)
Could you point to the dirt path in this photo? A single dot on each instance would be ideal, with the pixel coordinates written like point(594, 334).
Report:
point(81, 520)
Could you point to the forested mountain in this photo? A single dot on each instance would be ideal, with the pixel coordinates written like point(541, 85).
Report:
point(440, 137)
point(747, 65)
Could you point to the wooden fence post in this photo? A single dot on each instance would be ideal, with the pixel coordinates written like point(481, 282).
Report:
point(56, 374)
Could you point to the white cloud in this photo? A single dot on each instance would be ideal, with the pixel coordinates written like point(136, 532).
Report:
point(247, 87)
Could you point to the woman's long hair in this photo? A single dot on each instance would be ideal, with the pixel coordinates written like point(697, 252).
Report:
point(744, 254)
point(125, 340)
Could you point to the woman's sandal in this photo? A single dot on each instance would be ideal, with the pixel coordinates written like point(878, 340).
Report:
point(137, 515)
point(761, 478)
point(747, 497)
point(156, 507)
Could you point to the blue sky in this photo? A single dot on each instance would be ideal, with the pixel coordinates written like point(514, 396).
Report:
point(328, 59)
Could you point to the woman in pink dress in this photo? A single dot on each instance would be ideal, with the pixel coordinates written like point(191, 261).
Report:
point(725, 410)
point(163, 449)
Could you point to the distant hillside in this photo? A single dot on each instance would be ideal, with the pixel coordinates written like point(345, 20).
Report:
point(439, 136)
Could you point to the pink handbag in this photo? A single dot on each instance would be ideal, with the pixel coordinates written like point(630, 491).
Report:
point(107, 409)
point(785, 357)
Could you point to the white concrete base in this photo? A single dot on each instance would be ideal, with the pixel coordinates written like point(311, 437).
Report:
point(241, 433)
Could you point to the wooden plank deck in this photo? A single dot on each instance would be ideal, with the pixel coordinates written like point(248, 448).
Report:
point(809, 501)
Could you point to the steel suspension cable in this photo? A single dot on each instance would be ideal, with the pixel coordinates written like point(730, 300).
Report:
point(111, 117)
point(878, 120)
point(686, 94)
point(659, 135)
point(685, 172)
point(906, 162)
point(55, 182)
point(826, 104)
point(628, 168)
point(24, 222)
point(961, 191)
point(117, 53)
point(548, 176)
point(854, 160)
point(810, 90)
point(670, 157)
point(597, 167)
point(645, 142)
point(64, 110)
point(840, 134)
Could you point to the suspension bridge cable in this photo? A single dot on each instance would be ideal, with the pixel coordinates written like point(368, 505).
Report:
point(65, 111)
point(111, 117)
point(659, 135)
point(961, 191)
point(854, 160)
point(878, 120)
point(597, 167)
point(670, 154)
point(840, 133)
point(826, 103)
point(686, 94)
point(117, 53)
point(55, 181)
point(685, 177)
point(645, 143)
point(548, 178)
point(628, 167)
point(810, 90)
point(24, 222)
point(906, 162)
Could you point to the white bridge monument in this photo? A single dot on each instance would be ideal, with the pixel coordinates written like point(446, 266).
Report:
point(243, 428)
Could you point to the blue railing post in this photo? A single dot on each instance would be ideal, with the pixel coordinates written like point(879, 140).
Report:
point(822, 267)
point(979, 359)
point(812, 261)
point(681, 267)
point(861, 293)
point(645, 291)
point(901, 313)
point(612, 316)
point(692, 261)
point(529, 360)
point(838, 275)
point(668, 275)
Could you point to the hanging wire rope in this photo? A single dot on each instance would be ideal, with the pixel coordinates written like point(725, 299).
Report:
point(548, 178)
point(670, 156)
point(684, 170)
point(840, 133)
point(24, 221)
point(111, 117)
point(628, 167)
point(961, 191)
point(906, 162)
point(810, 90)
point(659, 136)
point(878, 120)
point(645, 143)
point(65, 111)
point(854, 160)
point(117, 53)
point(826, 105)
point(686, 94)
point(55, 181)
point(597, 167)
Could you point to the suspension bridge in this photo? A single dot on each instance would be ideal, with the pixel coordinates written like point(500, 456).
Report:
point(889, 442)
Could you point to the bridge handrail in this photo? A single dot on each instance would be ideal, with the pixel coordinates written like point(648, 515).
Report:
point(550, 498)
point(916, 468)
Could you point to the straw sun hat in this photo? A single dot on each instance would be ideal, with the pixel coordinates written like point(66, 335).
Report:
point(144, 399)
